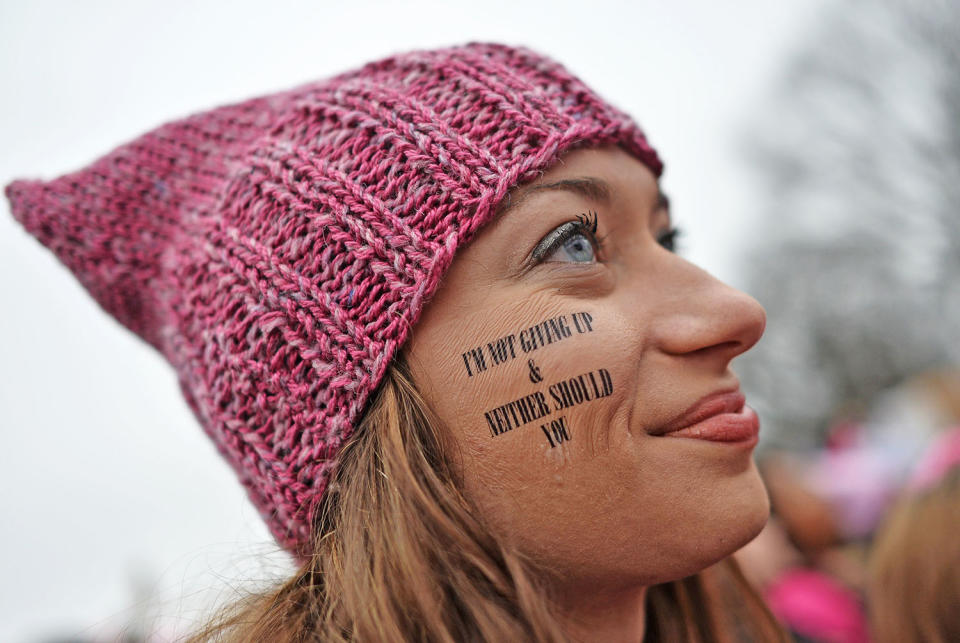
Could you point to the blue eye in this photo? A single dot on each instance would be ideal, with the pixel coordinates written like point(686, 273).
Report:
point(577, 248)
point(574, 241)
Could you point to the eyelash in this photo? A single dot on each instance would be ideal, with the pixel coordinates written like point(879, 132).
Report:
point(583, 225)
point(668, 238)
point(587, 227)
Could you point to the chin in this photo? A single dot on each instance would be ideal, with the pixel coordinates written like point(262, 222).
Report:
point(746, 513)
point(734, 524)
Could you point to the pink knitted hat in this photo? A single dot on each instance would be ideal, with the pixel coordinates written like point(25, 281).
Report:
point(278, 251)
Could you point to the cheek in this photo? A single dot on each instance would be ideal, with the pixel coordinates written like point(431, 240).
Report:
point(528, 387)
point(532, 404)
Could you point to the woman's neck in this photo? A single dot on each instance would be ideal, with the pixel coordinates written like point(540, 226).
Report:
point(618, 616)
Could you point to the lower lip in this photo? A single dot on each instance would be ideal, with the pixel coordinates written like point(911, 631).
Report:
point(735, 428)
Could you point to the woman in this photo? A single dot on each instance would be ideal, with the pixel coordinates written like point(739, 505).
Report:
point(914, 579)
point(428, 310)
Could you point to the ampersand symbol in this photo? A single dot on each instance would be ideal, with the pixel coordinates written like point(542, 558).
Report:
point(535, 375)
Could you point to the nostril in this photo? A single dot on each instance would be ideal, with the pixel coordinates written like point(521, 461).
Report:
point(732, 346)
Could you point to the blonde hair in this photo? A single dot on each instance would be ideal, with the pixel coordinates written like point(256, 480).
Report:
point(914, 575)
point(399, 555)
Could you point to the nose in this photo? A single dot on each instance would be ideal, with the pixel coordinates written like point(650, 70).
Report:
point(706, 318)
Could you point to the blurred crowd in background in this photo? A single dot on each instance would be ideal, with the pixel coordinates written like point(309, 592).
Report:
point(858, 377)
point(857, 380)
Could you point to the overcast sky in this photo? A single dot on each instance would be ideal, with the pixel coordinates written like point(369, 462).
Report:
point(110, 488)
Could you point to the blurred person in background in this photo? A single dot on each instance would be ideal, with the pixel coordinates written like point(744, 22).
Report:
point(914, 573)
point(827, 505)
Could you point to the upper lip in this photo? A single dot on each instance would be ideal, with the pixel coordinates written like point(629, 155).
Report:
point(728, 401)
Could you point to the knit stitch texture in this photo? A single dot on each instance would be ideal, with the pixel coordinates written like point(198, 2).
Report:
point(278, 251)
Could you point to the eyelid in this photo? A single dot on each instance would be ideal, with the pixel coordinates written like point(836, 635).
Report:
point(553, 240)
point(583, 224)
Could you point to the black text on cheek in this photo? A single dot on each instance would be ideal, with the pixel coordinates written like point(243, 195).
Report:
point(504, 349)
point(565, 394)
point(580, 389)
point(517, 413)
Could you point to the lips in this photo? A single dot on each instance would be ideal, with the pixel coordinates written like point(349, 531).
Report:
point(719, 417)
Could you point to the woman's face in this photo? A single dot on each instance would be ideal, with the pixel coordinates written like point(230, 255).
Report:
point(564, 367)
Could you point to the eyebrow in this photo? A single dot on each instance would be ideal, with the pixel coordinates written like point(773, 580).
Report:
point(589, 187)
